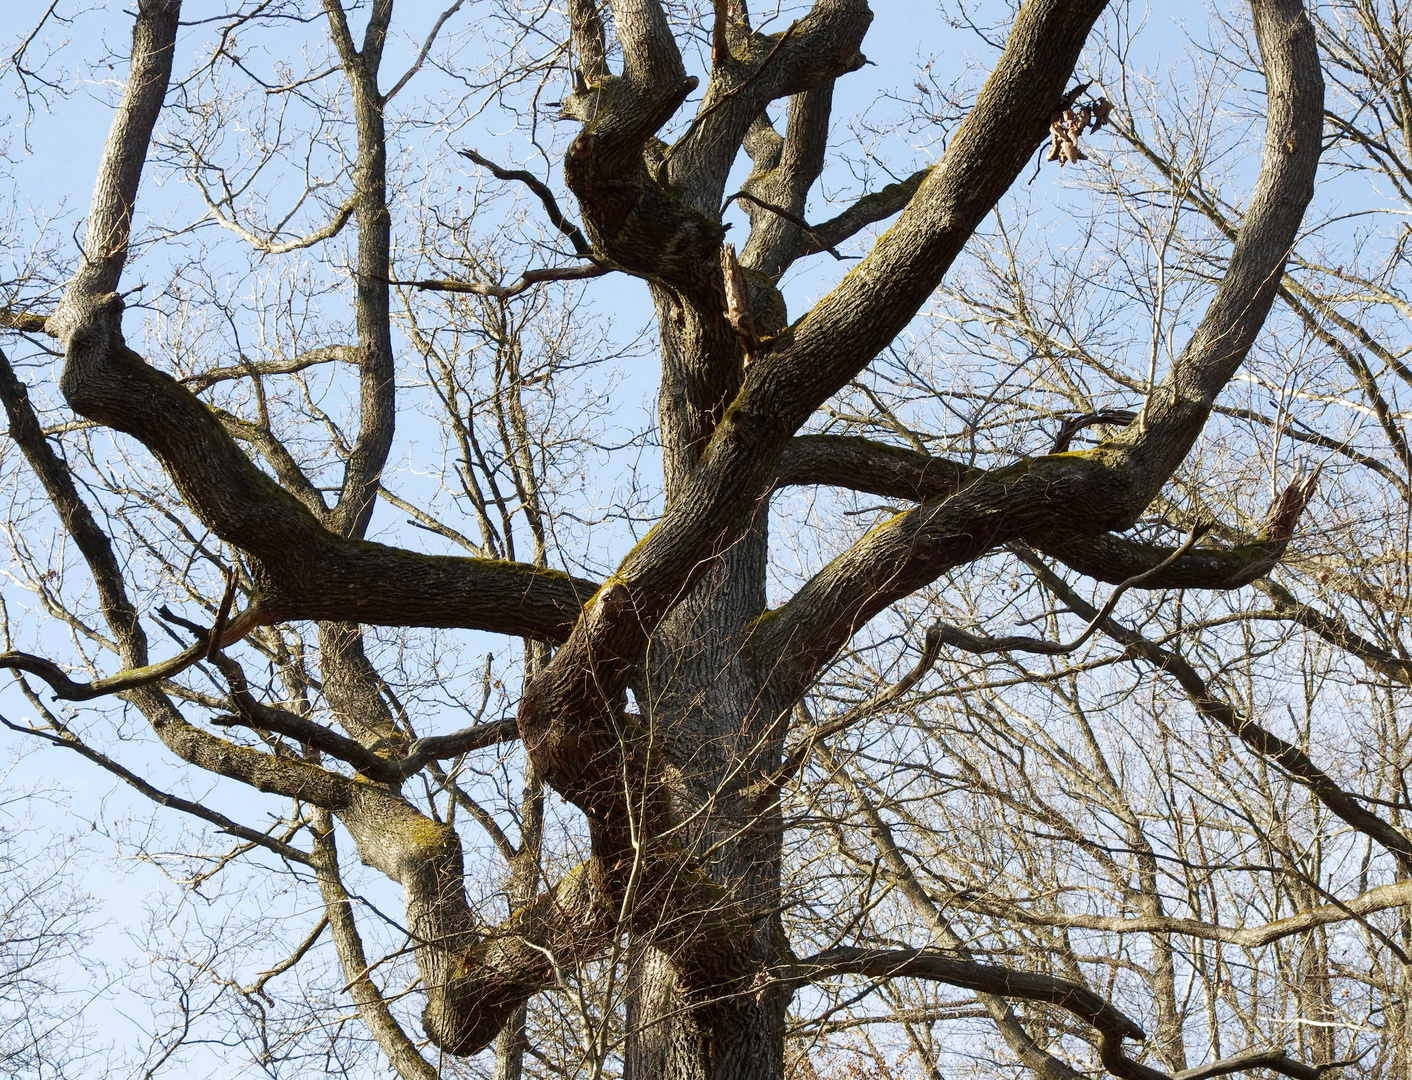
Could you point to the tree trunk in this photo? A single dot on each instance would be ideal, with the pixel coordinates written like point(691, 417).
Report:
point(703, 699)
point(672, 1040)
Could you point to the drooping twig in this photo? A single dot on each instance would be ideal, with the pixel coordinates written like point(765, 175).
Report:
point(961, 639)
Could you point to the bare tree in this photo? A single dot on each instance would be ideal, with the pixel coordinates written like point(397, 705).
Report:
point(753, 824)
point(45, 928)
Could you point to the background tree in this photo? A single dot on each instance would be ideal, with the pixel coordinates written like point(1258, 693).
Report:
point(785, 808)
point(45, 930)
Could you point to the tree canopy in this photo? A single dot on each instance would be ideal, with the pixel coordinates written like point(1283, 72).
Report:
point(987, 655)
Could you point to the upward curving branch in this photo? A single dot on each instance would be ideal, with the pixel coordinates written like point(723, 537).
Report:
point(1070, 497)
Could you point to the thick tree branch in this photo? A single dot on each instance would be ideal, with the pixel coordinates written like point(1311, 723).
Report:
point(377, 412)
point(785, 169)
point(110, 213)
point(586, 32)
point(810, 53)
point(1112, 1026)
point(899, 473)
point(858, 464)
point(569, 718)
point(650, 55)
point(372, 1007)
point(1069, 496)
point(1113, 558)
point(27, 322)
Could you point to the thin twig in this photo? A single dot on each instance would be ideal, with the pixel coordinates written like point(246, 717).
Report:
point(799, 754)
point(422, 56)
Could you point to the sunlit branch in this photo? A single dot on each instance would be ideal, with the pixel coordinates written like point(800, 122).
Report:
point(527, 280)
point(1111, 1024)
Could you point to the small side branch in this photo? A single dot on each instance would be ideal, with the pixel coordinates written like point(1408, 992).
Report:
point(258, 716)
point(302, 950)
point(27, 322)
point(527, 280)
point(541, 189)
point(793, 219)
point(869, 209)
point(347, 354)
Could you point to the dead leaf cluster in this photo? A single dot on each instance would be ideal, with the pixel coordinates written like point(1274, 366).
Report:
point(1066, 125)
